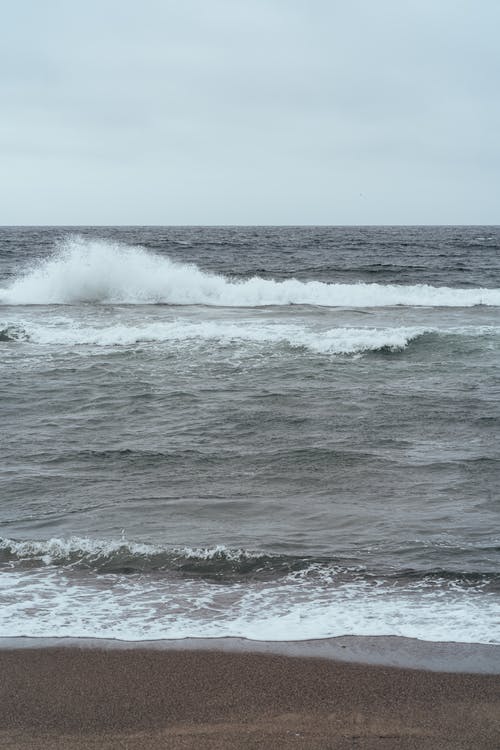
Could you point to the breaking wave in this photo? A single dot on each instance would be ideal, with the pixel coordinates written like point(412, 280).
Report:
point(150, 591)
point(66, 332)
point(331, 341)
point(103, 272)
point(13, 333)
point(122, 556)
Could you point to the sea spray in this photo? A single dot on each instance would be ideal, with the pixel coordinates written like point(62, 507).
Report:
point(98, 271)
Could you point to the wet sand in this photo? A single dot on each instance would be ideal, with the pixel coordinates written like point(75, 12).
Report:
point(70, 698)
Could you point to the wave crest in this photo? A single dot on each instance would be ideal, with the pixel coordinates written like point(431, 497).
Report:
point(124, 557)
point(341, 341)
point(13, 333)
point(105, 272)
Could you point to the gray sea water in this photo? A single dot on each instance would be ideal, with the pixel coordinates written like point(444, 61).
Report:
point(276, 433)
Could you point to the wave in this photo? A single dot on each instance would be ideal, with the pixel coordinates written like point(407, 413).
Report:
point(66, 332)
point(83, 271)
point(122, 556)
point(13, 333)
point(117, 589)
point(126, 557)
point(330, 341)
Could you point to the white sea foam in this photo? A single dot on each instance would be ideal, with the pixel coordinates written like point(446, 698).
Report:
point(54, 598)
point(106, 272)
point(56, 550)
point(61, 602)
point(330, 341)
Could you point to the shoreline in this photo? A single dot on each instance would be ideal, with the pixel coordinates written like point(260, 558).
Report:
point(89, 697)
point(381, 650)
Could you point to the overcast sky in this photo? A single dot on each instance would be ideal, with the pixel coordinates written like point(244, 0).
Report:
point(249, 112)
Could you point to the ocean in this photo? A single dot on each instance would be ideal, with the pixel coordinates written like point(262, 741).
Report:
point(276, 433)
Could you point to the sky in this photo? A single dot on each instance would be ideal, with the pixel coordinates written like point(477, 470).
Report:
point(249, 112)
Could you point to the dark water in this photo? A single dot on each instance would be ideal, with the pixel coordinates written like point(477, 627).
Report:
point(270, 432)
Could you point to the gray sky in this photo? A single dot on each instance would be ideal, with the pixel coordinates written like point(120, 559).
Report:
point(249, 112)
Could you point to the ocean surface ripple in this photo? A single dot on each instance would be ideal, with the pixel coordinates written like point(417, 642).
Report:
point(267, 432)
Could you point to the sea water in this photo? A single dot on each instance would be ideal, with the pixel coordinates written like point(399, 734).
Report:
point(279, 433)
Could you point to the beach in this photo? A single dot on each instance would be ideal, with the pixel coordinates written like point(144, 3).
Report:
point(81, 697)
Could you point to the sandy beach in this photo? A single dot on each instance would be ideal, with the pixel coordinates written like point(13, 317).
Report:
point(71, 698)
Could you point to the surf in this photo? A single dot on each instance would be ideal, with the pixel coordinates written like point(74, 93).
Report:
point(141, 592)
point(250, 335)
point(102, 272)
